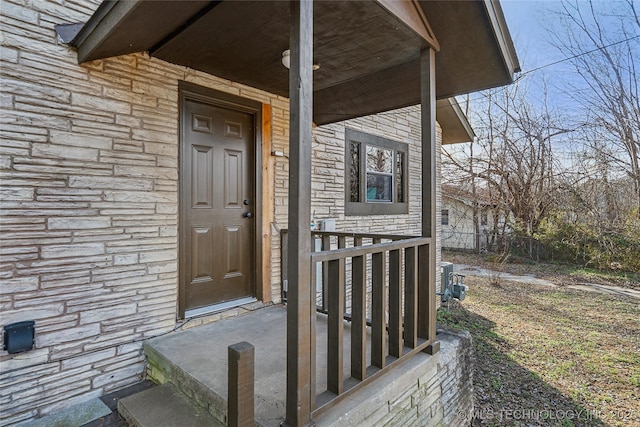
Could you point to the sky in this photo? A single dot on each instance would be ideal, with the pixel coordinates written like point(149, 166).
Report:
point(530, 23)
point(527, 21)
point(545, 69)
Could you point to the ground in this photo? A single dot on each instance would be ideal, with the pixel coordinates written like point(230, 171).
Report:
point(550, 355)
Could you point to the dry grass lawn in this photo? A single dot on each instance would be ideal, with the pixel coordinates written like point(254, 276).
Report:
point(550, 356)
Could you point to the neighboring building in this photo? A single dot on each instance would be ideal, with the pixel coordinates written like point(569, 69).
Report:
point(457, 219)
point(143, 190)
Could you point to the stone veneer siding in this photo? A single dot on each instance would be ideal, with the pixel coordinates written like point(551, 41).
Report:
point(89, 170)
point(425, 391)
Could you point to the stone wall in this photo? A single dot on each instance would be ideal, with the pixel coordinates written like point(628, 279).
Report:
point(89, 170)
point(455, 374)
point(423, 390)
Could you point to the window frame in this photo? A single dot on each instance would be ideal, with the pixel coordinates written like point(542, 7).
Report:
point(364, 207)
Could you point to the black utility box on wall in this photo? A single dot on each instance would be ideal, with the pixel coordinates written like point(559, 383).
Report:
point(19, 337)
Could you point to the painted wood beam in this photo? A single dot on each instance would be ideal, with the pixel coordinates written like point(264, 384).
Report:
point(427, 297)
point(410, 13)
point(123, 27)
point(300, 304)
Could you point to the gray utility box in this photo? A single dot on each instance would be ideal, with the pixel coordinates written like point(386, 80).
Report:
point(452, 284)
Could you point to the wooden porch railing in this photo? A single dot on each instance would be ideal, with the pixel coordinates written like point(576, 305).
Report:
point(376, 281)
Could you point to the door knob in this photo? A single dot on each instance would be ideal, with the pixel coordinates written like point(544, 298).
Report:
point(247, 214)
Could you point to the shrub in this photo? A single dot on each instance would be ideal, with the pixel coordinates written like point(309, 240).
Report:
point(599, 245)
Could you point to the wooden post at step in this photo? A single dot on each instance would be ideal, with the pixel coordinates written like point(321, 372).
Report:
point(240, 405)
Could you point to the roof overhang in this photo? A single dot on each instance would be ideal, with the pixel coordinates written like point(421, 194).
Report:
point(368, 51)
point(453, 121)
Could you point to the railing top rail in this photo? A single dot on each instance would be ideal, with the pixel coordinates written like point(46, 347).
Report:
point(357, 234)
point(335, 254)
point(363, 235)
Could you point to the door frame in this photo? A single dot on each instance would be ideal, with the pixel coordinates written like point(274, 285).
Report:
point(190, 91)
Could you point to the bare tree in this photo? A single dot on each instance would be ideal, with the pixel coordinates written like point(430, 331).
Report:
point(603, 40)
point(513, 158)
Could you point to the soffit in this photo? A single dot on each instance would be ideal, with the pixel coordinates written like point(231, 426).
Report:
point(368, 57)
point(350, 39)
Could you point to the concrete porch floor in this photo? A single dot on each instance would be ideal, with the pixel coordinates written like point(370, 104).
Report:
point(202, 353)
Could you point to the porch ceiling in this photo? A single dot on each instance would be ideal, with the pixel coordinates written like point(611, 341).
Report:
point(368, 56)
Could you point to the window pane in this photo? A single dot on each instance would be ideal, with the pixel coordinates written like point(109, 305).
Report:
point(379, 160)
point(400, 177)
point(379, 187)
point(445, 217)
point(354, 172)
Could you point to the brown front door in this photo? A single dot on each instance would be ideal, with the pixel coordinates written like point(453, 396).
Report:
point(217, 204)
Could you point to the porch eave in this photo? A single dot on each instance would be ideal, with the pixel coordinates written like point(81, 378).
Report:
point(368, 56)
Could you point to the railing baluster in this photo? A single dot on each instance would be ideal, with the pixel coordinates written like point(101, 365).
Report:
point(395, 303)
point(423, 292)
point(378, 309)
point(335, 362)
point(326, 246)
point(410, 297)
point(342, 243)
point(358, 315)
point(314, 277)
point(284, 262)
point(313, 339)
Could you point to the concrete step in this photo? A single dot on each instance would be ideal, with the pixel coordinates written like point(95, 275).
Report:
point(164, 406)
point(195, 362)
point(188, 377)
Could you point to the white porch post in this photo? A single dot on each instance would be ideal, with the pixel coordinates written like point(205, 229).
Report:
point(427, 290)
point(300, 305)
